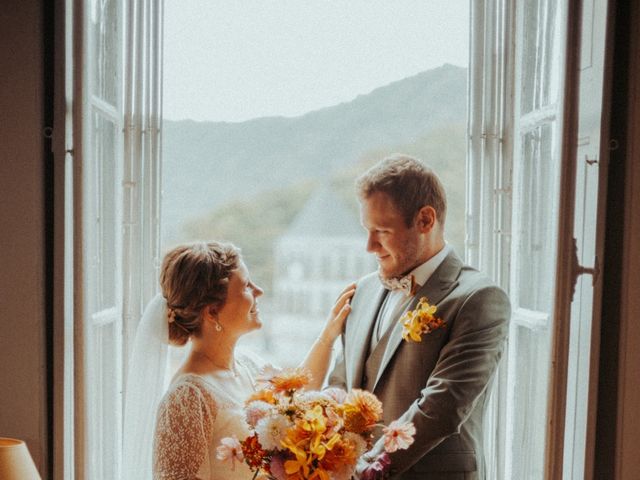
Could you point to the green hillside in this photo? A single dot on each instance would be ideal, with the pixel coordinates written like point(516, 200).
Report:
point(257, 220)
point(207, 165)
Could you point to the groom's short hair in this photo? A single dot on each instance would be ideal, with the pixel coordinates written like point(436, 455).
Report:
point(409, 183)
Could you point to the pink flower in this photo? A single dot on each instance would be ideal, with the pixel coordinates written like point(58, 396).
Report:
point(398, 436)
point(335, 393)
point(256, 411)
point(378, 469)
point(334, 422)
point(277, 467)
point(312, 397)
point(230, 449)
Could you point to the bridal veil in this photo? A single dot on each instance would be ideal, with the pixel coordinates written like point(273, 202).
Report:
point(146, 383)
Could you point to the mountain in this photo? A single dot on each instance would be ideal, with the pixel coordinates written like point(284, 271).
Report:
point(209, 164)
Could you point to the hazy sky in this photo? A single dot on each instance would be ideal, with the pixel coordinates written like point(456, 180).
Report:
point(234, 60)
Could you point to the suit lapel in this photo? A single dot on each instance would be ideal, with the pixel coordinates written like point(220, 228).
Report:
point(356, 356)
point(439, 285)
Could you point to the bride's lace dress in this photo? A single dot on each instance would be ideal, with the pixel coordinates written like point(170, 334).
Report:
point(194, 415)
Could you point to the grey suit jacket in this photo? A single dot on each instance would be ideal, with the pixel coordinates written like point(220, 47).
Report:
point(440, 383)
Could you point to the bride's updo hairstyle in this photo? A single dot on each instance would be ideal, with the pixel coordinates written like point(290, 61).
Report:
point(192, 277)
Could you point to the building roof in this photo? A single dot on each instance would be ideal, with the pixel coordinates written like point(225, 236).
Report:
point(325, 215)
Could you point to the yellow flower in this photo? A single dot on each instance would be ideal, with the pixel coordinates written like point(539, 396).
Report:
point(420, 321)
point(412, 328)
point(314, 420)
point(333, 440)
point(297, 435)
point(265, 395)
point(317, 448)
point(301, 463)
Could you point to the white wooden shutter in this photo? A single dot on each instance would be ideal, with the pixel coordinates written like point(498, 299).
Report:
point(102, 206)
point(119, 198)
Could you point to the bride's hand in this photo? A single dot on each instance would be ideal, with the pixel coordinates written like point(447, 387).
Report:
point(335, 323)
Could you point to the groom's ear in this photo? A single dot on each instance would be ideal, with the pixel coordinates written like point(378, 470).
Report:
point(426, 218)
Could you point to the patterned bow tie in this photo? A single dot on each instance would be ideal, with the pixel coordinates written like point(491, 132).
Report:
point(406, 284)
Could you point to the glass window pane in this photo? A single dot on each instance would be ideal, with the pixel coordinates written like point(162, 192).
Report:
point(105, 49)
point(104, 407)
point(540, 54)
point(537, 221)
point(105, 163)
point(281, 184)
point(530, 365)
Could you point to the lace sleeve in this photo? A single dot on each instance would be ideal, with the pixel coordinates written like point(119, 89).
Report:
point(184, 427)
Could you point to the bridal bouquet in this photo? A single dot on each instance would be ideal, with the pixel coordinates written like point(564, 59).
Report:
point(300, 435)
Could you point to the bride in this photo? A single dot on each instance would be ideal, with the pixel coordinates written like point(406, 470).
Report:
point(207, 298)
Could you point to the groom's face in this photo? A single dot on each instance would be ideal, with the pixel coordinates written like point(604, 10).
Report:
point(397, 247)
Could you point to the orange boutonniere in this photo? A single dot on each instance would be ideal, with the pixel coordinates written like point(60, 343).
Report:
point(420, 321)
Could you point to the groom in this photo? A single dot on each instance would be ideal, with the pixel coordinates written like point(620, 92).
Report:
point(440, 383)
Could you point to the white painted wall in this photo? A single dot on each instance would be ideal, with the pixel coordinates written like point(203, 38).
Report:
point(22, 322)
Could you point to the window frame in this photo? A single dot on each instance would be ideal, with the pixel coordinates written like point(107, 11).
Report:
point(483, 245)
point(489, 200)
point(135, 169)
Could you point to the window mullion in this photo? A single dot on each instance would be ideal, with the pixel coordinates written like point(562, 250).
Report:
point(106, 109)
point(141, 225)
point(153, 171)
point(133, 160)
point(474, 130)
point(488, 207)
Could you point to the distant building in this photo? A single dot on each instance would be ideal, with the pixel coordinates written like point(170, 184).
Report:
point(322, 251)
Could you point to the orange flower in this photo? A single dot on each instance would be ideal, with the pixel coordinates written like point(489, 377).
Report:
point(362, 410)
point(295, 476)
point(290, 379)
point(298, 435)
point(319, 474)
point(265, 395)
point(253, 453)
point(342, 453)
